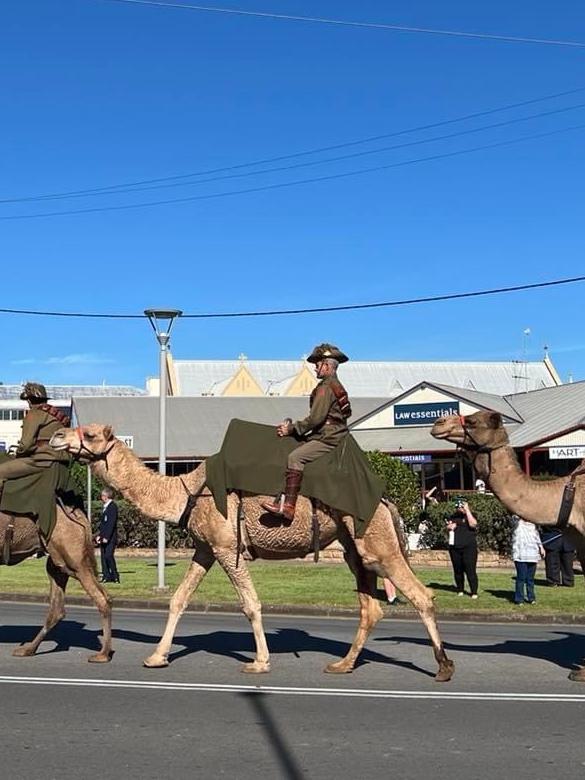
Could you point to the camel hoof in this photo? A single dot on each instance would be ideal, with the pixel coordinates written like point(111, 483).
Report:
point(446, 671)
point(100, 658)
point(578, 675)
point(156, 662)
point(24, 651)
point(255, 667)
point(338, 667)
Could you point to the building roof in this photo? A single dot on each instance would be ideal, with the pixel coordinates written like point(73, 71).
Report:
point(66, 392)
point(547, 412)
point(195, 426)
point(367, 379)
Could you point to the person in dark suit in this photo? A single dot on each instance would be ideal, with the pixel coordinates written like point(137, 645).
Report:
point(108, 536)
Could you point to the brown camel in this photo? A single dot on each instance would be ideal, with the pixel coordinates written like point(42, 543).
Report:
point(70, 554)
point(379, 552)
point(483, 438)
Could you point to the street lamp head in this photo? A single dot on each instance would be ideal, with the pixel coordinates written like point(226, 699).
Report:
point(162, 320)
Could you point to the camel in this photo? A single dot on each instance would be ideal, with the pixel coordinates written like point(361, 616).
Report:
point(70, 554)
point(159, 497)
point(483, 438)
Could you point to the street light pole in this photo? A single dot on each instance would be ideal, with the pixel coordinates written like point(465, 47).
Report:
point(158, 318)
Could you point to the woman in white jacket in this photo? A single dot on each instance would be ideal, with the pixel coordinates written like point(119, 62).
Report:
point(527, 550)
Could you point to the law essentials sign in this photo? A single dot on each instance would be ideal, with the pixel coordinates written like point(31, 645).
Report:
point(423, 414)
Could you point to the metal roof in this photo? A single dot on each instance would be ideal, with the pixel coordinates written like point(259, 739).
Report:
point(367, 379)
point(66, 392)
point(547, 412)
point(195, 426)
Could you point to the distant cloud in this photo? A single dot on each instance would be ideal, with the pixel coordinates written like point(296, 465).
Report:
point(75, 359)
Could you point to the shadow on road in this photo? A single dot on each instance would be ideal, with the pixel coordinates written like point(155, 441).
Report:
point(289, 767)
point(564, 651)
point(237, 645)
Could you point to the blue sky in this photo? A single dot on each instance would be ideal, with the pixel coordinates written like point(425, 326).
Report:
point(97, 93)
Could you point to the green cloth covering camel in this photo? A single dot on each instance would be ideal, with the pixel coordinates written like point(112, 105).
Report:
point(253, 459)
point(35, 495)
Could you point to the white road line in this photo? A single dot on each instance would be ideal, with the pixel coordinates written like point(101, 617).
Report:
point(578, 698)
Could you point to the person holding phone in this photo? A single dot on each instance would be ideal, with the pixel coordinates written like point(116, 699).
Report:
point(462, 530)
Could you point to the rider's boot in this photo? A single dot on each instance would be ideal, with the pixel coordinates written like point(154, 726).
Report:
point(286, 508)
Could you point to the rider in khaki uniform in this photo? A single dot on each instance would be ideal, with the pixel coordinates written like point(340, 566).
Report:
point(33, 453)
point(323, 429)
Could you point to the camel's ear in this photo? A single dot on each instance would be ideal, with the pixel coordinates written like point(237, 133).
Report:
point(495, 420)
point(108, 432)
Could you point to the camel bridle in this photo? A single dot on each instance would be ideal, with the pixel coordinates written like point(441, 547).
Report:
point(475, 448)
point(84, 448)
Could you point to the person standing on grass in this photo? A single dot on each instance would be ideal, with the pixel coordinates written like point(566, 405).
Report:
point(527, 550)
point(108, 536)
point(462, 528)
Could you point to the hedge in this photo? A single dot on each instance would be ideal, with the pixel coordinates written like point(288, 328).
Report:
point(494, 527)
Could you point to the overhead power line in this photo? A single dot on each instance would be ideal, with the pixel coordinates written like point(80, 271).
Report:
point(314, 310)
point(294, 166)
point(352, 23)
point(296, 182)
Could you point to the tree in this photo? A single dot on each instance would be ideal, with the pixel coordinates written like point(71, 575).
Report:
point(402, 486)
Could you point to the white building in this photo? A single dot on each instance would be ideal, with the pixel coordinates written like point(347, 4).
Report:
point(12, 409)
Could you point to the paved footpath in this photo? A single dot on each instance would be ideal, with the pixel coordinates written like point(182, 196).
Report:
point(510, 711)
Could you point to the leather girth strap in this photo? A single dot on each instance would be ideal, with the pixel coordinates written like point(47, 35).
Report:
point(566, 505)
point(315, 527)
point(568, 498)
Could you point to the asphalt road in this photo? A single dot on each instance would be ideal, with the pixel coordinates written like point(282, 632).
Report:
point(510, 711)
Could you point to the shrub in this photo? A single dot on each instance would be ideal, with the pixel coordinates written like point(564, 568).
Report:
point(402, 486)
point(135, 530)
point(494, 527)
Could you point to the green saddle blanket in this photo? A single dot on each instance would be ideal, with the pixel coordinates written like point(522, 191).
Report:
point(254, 459)
point(35, 495)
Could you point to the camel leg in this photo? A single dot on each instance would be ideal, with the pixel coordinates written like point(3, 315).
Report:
point(58, 580)
point(251, 607)
point(380, 551)
point(87, 578)
point(370, 610)
point(203, 559)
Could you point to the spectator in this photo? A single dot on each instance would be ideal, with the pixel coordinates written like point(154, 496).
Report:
point(559, 554)
point(527, 550)
point(108, 536)
point(479, 485)
point(462, 528)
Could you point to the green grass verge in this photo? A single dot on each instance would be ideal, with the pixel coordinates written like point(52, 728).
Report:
point(305, 584)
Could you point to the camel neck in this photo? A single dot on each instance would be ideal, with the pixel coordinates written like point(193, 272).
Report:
point(535, 500)
point(156, 496)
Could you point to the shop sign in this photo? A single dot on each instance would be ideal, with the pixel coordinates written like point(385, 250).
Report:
point(415, 458)
point(128, 440)
point(566, 453)
point(423, 414)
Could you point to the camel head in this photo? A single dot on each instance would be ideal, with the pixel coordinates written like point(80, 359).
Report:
point(87, 443)
point(480, 431)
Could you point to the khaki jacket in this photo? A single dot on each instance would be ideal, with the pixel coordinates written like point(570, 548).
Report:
point(326, 421)
point(37, 428)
